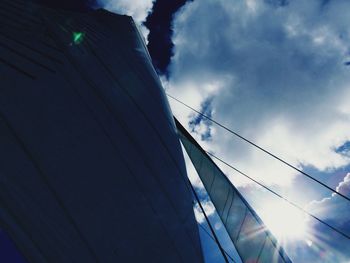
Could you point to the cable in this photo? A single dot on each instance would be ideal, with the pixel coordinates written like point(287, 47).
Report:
point(260, 148)
point(184, 134)
point(265, 187)
point(280, 196)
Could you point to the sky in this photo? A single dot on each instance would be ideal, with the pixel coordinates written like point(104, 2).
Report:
point(276, 72)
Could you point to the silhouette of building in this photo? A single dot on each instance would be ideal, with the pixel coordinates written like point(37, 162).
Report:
point(91, 168)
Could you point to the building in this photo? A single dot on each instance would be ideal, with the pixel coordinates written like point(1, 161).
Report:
point(91, 167)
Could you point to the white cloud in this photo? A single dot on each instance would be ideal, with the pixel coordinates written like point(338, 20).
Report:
point(138, 9)
point(275, 70)
point(335, 211)
point(330, 207)
point(344, 186)
point(208, 208)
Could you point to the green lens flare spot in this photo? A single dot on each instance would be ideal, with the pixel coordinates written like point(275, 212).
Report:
point(78, 37)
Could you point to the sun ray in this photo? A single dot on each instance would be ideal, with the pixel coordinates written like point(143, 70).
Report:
point(284, 221)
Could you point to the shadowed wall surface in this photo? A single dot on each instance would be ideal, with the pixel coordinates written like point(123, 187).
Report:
point(91, 169)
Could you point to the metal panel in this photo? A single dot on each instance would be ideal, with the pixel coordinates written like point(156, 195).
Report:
point(91, 169)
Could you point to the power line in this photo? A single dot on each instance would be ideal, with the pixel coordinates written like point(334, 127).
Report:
point(184, 134)
point(260, 148)
point(280, 196)
point(273, 192)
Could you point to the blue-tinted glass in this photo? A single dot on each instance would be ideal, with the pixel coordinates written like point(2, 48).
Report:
point(253, 241)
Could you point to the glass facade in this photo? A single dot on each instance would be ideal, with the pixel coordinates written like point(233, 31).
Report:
point(252, 239)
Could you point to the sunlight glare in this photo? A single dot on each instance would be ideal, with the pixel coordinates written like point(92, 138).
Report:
point(284, 221)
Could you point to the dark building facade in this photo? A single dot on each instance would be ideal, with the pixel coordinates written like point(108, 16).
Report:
point(91, 169)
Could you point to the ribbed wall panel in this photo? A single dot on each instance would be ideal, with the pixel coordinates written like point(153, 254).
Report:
point(91, 168)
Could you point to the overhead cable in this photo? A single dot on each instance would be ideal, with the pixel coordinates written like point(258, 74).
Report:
point(260, 148)
point(275, 193)
point(280, 196)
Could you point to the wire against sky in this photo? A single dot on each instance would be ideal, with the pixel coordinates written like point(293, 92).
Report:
point(260, 148)
point(280, 196)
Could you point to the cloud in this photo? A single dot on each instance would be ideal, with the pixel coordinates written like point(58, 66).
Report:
point(201, 125)
point(208, 208)
point(335, 211)
point(344, 186)
point(159, 22)
point(138, 9)
point(274, 72)
point(329, 207)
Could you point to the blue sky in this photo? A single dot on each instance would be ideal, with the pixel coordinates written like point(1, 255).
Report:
point(276, 71)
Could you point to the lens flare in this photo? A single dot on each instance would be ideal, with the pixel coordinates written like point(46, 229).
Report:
point(284, 221)
point(78, 37)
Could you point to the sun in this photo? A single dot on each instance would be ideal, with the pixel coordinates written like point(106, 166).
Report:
point(284, 221)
